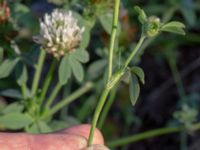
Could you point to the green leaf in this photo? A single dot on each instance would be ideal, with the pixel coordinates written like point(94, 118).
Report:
point(1, 54)
point(142, 16)
point(15, 120)
point(39, 127)
point(174, 27)
point(86, 34)
point(12, 93)
point(85, 39)
point(80, 55)
point(77, 69)
point(174, 24)
point(106, 21)
point(13, 107)
point(7, 67)
point(189, 14)
point(64, 71)
point(21, 74)
point(96, 69)
point(134, 89)
point(139, 73)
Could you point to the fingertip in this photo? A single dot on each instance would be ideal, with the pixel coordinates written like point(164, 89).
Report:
point(84, 130)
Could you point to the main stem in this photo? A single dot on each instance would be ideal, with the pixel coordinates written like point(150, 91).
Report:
point(107, 90)
point(113, 36)
point(38, 72)
point(97, 113)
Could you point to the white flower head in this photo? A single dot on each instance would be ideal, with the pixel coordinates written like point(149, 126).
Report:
point(59, 33)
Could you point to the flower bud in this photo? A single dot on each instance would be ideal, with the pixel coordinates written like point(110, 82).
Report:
point(59, 33)
point(152, 26)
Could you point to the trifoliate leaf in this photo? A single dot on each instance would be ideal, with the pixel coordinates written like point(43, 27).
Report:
point(64, 71)
point(134, 89)
point(174, 27)
point(139, 73)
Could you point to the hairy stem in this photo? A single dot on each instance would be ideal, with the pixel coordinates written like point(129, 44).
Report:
point(97, 113)
point(107, 108)
point(113, 37)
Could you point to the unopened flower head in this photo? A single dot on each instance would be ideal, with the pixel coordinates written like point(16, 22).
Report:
point(59, 33)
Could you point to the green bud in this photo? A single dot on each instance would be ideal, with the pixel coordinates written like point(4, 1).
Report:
point(152, 26)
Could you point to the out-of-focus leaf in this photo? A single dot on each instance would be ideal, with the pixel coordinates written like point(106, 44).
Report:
point(58, 125)
point(15, 120)
point(85, 39)
point(1, 54)
point(12, 93)
point(21, 74)
point(95, 69)
point(77, 69)
point(12, 108)
point(81, 55)
point(106, 21)
point(39, 127)
point(7, 67)
point(64, 71)
point(188, 11)
point(134, 89)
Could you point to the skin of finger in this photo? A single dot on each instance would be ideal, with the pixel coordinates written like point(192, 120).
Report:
point(22, 141)
point(57, 141)
point(84, 130)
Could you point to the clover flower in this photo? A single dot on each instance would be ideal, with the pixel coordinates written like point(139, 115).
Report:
point(59, 33)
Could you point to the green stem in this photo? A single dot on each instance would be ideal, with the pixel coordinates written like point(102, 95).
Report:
point(47, 81)
point(97, 113)
point(24, 90)
point(38, 72)
point(107, 108)
point(88, 86)
point(110, 84)
point(134, 52)
point(53, 95)
point(113, 36)
point(149, 134)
